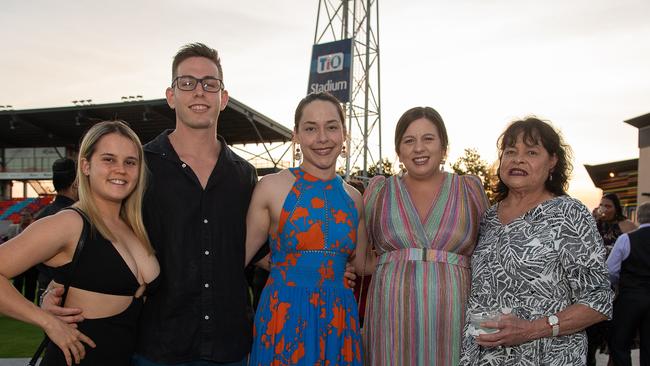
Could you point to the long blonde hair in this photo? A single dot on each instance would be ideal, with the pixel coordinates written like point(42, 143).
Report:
point(131, 208)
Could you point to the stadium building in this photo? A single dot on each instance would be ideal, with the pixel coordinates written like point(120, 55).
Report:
point(30, 141)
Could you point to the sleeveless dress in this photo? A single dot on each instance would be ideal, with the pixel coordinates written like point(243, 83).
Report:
point(307, 313)
point(415, 309)
point(102, 269)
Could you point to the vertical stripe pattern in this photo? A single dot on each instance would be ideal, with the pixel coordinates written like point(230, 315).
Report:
point(415, 308)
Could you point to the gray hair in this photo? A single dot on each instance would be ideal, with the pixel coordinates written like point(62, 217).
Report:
point(643, 213)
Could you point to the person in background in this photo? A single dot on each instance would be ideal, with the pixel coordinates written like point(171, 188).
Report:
point(423, 225)
point(539, 263)
point(629, 269)
point(64, 180)
point(611, 224)
point(610, 220)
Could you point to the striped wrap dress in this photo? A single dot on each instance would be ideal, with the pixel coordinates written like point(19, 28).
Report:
point(415, 309)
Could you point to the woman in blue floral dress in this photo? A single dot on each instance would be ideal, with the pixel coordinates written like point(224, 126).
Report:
point(307, 313)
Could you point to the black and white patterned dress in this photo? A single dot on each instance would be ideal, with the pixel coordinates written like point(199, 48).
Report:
point(537, 265)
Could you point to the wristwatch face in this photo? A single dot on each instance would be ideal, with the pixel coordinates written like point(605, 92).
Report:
point(553, 320)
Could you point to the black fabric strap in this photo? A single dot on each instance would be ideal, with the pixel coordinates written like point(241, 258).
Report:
point(66, 285)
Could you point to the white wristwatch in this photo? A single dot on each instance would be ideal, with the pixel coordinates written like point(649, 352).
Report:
point(554, 322)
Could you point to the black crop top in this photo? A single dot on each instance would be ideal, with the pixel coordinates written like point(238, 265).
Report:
point(101, 269)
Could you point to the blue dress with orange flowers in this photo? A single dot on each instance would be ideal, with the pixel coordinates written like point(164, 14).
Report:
point(307, 314)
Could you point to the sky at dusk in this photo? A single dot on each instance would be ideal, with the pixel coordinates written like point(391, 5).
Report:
point(582, 64)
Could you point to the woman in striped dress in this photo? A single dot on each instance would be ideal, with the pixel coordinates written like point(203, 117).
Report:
point(423, 225)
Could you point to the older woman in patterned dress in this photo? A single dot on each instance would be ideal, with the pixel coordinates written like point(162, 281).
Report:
point(540, 261)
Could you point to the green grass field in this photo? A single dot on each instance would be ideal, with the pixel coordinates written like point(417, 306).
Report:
point(18, 339)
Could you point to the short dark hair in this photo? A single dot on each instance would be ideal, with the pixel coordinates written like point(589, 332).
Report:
point(196, 50)
point(618, 209)
point(416, 113)
point(538, 132)
point(324, 96)
point(643, 213)
point(63, 173)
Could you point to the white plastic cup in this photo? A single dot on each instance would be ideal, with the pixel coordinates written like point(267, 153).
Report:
point(481, 316)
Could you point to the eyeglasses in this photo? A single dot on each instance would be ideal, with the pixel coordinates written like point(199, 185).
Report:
point(188, 83)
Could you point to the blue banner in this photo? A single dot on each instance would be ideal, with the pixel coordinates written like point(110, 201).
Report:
point(331, 69)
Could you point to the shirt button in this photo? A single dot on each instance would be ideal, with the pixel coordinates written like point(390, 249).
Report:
point(206, 317)
point(207, 252)
point(183, 165)
point(205, 221)
point(207, 285)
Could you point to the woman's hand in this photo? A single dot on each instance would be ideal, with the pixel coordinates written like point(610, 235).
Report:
point(513, 331)
point(68, 339)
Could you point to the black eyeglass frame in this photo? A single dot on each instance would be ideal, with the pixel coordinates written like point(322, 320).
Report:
point(197, 82)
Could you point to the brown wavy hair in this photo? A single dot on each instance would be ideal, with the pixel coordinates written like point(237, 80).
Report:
point(537, 132)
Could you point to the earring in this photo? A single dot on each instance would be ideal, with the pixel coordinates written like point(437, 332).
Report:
point(550, 176)
point(344, 152)
point(401, 170)
point(442, 165)
point(297, 155)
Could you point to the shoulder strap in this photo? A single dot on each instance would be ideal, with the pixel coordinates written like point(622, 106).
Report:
point(66, 285)
point(77, 251)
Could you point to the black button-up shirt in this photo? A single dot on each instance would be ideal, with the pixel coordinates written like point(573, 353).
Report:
point(201, 310)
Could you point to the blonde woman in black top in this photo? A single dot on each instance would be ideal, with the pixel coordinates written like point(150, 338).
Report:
point(116, 264)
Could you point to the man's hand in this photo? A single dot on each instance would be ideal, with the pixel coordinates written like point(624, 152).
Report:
point(350, 275)
point(51, 301)
point(265, 263)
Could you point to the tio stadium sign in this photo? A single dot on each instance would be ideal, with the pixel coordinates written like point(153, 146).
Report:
point(331, 69)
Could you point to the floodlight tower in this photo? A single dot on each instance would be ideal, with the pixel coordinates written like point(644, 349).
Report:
point(357, 20)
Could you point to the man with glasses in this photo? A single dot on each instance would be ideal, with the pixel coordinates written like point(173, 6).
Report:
point(195, 213)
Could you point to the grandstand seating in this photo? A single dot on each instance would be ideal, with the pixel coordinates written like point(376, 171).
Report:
point(10, 210)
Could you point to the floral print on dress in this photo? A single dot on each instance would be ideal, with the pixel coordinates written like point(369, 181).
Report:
point(307, 313)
